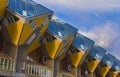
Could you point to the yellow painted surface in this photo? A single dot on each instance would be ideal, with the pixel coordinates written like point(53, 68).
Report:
point(62, 56)
point(114, 74)
point(35, 44)
point(40, 20)
point(3, 5)
point(14, 31)
point(59, 49)
point(76, 58)
point(69, 40)
point(92, 65)
point(2, 12)
point(42, 32)
point(52, 48)
point(104, 70)
point(27, 31)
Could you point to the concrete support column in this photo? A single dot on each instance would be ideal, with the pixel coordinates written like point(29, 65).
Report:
point(21, 60)
point(94, 74)
point(11, 50)
point(78, 71)
point(56, 67)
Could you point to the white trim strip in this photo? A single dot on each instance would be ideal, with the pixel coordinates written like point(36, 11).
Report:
point(31, 39)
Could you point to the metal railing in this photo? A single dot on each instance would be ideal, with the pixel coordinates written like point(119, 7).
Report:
point(39, 71)
point(6, 63)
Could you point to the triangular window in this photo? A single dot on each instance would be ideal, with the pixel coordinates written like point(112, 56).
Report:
point(10, 20)
point(50, 39)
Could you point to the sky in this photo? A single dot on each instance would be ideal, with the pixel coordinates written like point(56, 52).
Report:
point(96, 19)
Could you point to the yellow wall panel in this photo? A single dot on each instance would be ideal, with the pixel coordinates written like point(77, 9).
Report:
point(3, 4)
point(35, 44)
point(62, 56)
point(40, 20)
point(52, 48)
point(3, 1)
point(27, 31)
point(69, 40)
point(59, 49)
point(114, 74)
point(44, 29)
point(14, 31)
point(76, 58)
point(92, 65)
point(104, 70)
point(2, 12)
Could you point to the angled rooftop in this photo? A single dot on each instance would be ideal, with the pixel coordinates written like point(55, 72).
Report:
point(27, 8)
point(97, 52)
point(116, 64)
point(60, 28)
point(108, 59)
point(82, 42)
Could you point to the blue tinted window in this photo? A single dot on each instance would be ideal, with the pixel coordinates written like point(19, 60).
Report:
point(108, 59)
point(82, 42)
point(62, 30)
point(97, 52)
point(28, 8)
point(116, 64)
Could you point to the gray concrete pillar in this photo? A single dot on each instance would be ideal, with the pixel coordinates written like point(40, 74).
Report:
point(21, 60)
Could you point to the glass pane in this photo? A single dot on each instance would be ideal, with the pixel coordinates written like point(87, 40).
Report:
point(5, 65)
point(2, 64)
point(97, 52)
point(13, 65)
point(28, 8)
point(108, 59)
point(9, 65)
point(60, 29)
point(116, 64)
point(82, 42)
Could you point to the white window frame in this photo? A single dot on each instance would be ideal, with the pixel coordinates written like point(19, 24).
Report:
point(31, 39)
point(33, 24)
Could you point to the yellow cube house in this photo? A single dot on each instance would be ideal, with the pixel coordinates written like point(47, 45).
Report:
point(94, 57)
point(115, 70)
point(26, 21)
point(80, 47)
point(58, 37)
point(3, 5)
point(106, 64)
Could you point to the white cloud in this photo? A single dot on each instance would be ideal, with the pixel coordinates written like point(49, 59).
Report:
point(85, 5)
point(106, 36)
point(103, 35)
